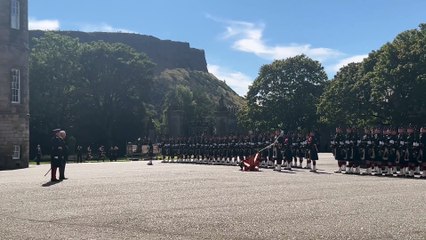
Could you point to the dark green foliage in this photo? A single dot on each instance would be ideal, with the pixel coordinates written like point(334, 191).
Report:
point(387, 88)
point(285, 95)
point(108, 93)
point(93, 90)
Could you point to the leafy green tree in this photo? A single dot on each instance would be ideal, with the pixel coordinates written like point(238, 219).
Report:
point(97, 91)
point(285, 95)
point(116, 81)
point(387, 88)
point(399, 79)
point(54, 69)
point(339, 104)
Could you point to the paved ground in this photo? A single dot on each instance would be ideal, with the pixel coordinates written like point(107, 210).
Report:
point(130, 200)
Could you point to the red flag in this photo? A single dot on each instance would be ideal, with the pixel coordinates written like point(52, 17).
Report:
point(252, 163)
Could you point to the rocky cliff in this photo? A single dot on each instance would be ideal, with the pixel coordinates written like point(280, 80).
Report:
point(165, 53)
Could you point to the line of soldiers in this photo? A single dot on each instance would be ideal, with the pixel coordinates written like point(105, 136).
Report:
point(277, 150)
point(389, 152)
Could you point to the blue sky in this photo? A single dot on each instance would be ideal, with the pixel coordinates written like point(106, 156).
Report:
point(240, 36)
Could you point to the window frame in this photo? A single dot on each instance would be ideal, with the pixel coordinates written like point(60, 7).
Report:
point(15, 14)
point(15, 85)
point(16, 152)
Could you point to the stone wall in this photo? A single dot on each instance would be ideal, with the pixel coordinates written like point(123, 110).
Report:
point(14, 117)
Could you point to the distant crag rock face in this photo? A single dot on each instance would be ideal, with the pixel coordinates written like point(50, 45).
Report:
point(166, 54)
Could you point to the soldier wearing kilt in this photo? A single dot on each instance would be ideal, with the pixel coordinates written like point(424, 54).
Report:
point(301, 148)
point(173, 150)
point(264, 154)
point(422, 151)
point(392, 143)
point(368, 151)
point(271, 161)
point(378, 145)
point(312, 145)
point(400, 153)
point(337, 144)
point(356, 153)
point(277, 150)
point(241, 152)
point(287, 151)
point(386, 150)
point(409, 157)
point(162, 146)
point(294, 149)
point(197, 151)
point(307, 152)
point(416, 154)
point(349, 150)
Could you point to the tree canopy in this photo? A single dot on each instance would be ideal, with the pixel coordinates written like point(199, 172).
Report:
point(387, 88)
point(285, 95)
point(90, 89)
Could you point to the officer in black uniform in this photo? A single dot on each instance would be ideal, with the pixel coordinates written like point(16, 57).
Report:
point(64, 155)
point(56, 153)
point(422, 151)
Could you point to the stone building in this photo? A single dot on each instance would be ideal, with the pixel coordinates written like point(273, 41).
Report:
point(14, 92)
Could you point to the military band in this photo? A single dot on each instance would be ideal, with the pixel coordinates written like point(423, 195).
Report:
point(279, 150)
point(381, 152)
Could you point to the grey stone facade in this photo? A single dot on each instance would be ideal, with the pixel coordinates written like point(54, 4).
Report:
point(14, 92)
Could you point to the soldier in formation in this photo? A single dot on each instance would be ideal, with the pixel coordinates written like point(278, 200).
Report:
point(279, 150)
point(381, 152)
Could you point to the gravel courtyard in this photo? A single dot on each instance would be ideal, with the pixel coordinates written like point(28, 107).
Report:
point(131, 200)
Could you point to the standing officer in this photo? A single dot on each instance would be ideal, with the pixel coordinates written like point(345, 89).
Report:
point(38, 154)
point(55, 154)
point(79, 154)
point(422, 152)
point(64, 155)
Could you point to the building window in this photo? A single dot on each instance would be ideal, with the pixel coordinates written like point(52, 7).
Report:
point(14, 14)
point(16, 152)
point(16, 86)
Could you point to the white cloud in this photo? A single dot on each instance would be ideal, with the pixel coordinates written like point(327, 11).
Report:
point(248, 37)
point(46, 24)
point(346, 61)
point(103, 27)
point(238, 81)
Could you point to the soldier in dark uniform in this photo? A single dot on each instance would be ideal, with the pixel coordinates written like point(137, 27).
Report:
point(417, 163)
point(337, 145)
point(277, 149)
point(115, 153)
point(64, 155)
point(409, 157)
point(89, 153)
point(79, 154)
point(56, 154)
point(38, 154)
point(301, 149)
point(392, 143)
point(349, 150)
point(313, 150)
point(271, 161)
point(386, 151)
point(400, 154)
point(287, 151)
point(356, 152)
point(367, 151)
point(422, 151)
point(378, 145)
point(294, 149)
